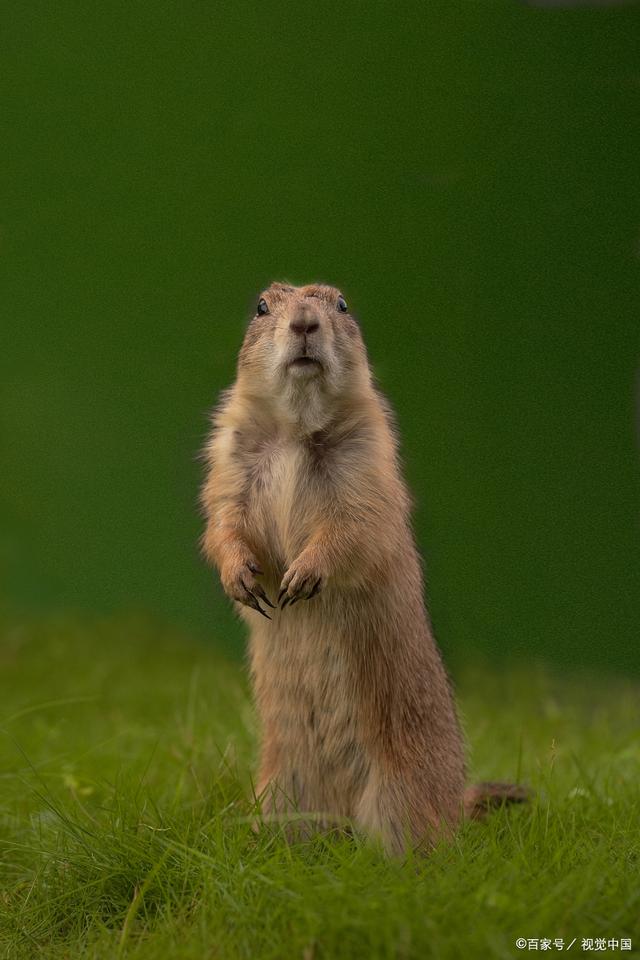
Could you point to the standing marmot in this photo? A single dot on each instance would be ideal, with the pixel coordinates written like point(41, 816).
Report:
point(304, 501)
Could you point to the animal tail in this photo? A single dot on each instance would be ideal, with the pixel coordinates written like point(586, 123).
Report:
point(481, 798)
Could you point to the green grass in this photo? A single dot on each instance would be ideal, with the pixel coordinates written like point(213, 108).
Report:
point(126, 753)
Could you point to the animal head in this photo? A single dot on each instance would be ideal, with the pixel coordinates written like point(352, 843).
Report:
point(303, 346)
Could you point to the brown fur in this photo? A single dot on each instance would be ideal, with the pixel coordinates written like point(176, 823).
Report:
point(304, 499)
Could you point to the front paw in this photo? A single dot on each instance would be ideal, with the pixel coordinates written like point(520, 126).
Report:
point(303, 580)
point(240, 584)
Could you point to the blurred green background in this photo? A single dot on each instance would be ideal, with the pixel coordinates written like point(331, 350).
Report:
point(467, 172)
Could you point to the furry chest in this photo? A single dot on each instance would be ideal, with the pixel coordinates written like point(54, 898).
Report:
point(280, 505)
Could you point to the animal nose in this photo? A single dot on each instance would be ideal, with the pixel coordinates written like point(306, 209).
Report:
point(304, 321)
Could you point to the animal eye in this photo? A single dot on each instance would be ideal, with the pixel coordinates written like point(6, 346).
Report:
point(262, 307)
point(342, 305)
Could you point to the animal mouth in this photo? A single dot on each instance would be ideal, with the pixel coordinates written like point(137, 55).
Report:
point(305, 362)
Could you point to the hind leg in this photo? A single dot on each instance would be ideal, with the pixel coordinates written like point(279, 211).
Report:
point(304, 794)
point(397, 811)
point(290, 796)
point(278, 786)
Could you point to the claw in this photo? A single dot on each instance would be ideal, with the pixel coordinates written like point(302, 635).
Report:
point(255, 568)
point(281, 594)
point(252, 601)
point(315, 588)
point(295, 600)
point(285, 602)
point(259, 609)
point(259, 592)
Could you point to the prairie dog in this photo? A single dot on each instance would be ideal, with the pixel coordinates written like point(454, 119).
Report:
point(308, 524)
